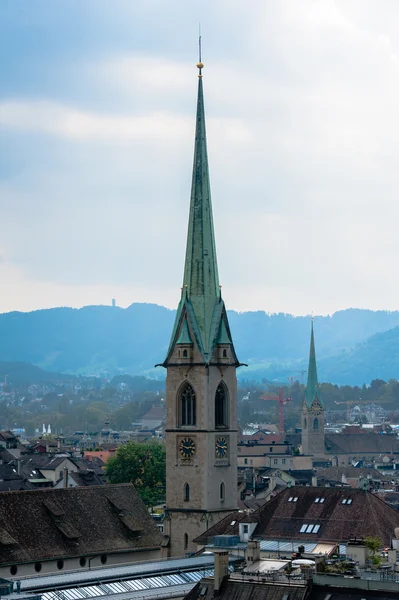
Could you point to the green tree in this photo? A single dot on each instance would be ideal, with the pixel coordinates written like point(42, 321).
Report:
point(144, 465)
point(374, 545)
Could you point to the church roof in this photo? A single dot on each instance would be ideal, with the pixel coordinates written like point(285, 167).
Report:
point(201, 309)
point(50, 523)
point(312, 386)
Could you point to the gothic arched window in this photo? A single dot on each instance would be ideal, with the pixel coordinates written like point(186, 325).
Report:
point(186, 492)
point(316, 423)
point(222, 491)
point(221, 406)
point(305, 423)
point(185, 541)
point(187, 406)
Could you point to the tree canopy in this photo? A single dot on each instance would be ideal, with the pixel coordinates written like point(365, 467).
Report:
point(144, 465)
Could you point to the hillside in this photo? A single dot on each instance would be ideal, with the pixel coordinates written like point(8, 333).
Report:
point(25, 373)
point(379, 357)
point(95, 339)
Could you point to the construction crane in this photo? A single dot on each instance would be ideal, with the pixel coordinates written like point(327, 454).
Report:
point(348, 406)
point(292, 378)
point(281, 402)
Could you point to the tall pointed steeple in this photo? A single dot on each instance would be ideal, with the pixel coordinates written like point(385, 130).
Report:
point(201, 280)
point(201, 381)
point(312, 386)
point(201, 299)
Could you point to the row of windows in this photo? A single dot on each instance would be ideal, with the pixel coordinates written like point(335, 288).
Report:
point(309, 528)
point(187, 406)
point(346, 501)
point(275, 461)
point(322, 500)
point(186, 492)
point(60, 564)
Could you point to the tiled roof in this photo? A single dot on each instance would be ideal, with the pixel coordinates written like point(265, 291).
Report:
point(15, 485)
point(8, 436)
point(8, 472)
point(335, 473)
point(156, 413)
point(240, 589)
point(355, 443)
point(283, 519)
point(51, 523)
point(84, 478)
point(358, 443)
point(44, 461)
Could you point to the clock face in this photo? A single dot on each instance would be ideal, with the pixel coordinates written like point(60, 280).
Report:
point(221, 447)
point(316, 408)
point(187, 447)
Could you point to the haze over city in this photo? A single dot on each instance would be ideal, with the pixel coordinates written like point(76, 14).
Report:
point(97, 120)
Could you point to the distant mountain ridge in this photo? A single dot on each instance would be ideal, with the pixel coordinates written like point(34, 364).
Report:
point(353, 346)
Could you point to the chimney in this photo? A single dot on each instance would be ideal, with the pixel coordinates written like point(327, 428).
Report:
point(65, 477)
point(221, 569)
point(59, 444)
point(253, 551)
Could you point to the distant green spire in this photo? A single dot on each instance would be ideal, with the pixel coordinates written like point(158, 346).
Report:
point(312, 386)
point(201, 304)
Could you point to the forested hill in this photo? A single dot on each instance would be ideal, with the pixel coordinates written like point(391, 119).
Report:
point(102, 338)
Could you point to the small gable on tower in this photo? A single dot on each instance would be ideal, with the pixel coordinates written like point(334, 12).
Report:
point(184, 344)
point(224, 349)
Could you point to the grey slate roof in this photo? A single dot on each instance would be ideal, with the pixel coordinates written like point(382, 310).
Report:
point(59, 523)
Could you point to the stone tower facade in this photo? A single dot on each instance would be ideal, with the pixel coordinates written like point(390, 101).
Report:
point(201, 418)
point(312, 417)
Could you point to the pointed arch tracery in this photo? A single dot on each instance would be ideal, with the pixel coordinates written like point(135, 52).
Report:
point(187, 406)
point(316, 424)
point(221, 406)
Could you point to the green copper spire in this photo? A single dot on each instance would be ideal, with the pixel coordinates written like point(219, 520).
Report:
point(201, 280)
point(312, 387)
point(201, 309)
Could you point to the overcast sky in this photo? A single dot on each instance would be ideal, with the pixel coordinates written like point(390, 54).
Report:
point(97, 116)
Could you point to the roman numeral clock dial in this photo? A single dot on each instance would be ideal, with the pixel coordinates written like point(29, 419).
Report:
point(187, 447)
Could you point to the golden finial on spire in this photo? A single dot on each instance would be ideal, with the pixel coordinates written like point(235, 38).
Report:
point(200, 64)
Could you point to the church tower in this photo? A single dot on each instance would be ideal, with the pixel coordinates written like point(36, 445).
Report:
point(201, 418)
point(312, 409)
